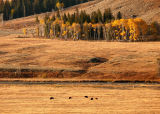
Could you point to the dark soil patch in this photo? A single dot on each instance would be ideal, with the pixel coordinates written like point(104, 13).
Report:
point(86, 64)
point(97, 60)
point(39, 73)
point(2, 52)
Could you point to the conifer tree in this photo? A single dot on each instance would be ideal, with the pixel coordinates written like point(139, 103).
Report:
point(65, 18)
point(107, 16)
point(1, 6)
point(119, 15)
point(58, 14)
point(77, 16)
point(36, 6)
point(21, 8)
point(94, 17)
point(6, 11)
point(99, 14)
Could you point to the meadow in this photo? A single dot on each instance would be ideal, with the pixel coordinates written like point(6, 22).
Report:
point(71, 59)
point(112, 98)
point(88, 61)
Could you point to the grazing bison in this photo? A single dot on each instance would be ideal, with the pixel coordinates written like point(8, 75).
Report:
point(86, 96)
point(51, 98)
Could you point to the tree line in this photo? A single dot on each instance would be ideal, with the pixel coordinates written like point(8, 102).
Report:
point(82, 17)
point(94, 26)
point(21, 8)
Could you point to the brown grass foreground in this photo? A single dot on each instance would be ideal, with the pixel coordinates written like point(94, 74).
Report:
point(56, 59)
point(112, 99)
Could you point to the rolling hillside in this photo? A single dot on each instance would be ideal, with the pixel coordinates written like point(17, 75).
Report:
point(149, 10)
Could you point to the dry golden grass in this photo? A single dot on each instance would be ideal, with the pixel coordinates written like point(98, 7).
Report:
point(126, 61)
point(148, 10)
point(112, 99)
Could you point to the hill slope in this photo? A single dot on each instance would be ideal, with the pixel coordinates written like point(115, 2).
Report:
point(149, 10)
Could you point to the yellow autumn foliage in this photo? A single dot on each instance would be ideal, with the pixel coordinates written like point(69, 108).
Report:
point(58, 5)
point(123, 29)
point(25, 31)
point(135, 28)
point(42, 22)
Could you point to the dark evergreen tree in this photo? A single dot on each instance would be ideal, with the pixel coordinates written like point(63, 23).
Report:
point(65, 18)
point(99, 14)
point(94, 17)
point(36, 6)
point(21, 8)
point(58, 14)
point(46, 5)
point(37, 20)
point(83, 17)
point(53, 18)
point(107, 16)
point(77, 16)
point(1, 6)
point(119, 15)
point(6, 10)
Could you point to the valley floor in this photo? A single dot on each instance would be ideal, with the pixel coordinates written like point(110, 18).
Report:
point(71, 59)
point(112, 99)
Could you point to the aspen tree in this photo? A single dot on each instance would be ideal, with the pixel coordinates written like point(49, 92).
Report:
point(90, 30)
point(37, 31)
point(99, 27)
point(94, 26)
point(25, 31)
point(86, 30)
point(108, 29)
point(76, 29)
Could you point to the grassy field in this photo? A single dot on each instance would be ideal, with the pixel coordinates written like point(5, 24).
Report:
point(32, 70)
point(70, 59)
point(112, 99)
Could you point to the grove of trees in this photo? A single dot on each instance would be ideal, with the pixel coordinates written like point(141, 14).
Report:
point(21, 8)
point(79, 25)
point(94, 26)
